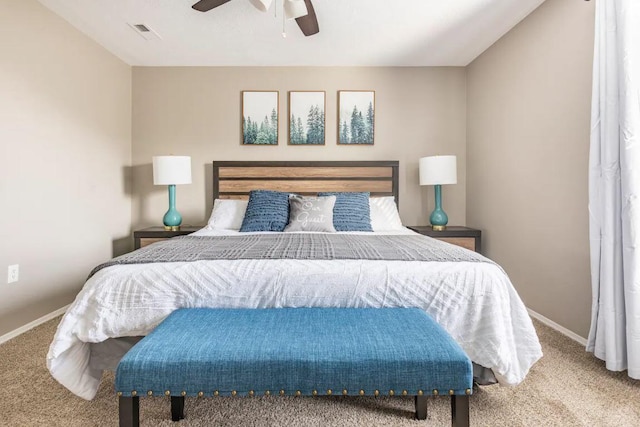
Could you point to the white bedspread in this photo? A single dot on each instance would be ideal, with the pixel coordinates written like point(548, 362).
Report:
point(475, 302)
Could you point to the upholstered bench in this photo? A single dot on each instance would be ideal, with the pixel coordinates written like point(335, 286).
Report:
point(295, 352)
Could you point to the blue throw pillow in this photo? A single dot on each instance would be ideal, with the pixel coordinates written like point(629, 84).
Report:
point(266, 211)
point(351, 211)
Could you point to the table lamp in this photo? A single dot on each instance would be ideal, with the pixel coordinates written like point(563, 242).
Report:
point(172, 171)
point(437, 171)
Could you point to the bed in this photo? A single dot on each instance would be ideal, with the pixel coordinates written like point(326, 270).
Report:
point(471, 298)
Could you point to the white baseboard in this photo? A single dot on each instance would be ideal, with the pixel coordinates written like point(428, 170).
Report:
point(553, 325)
point(21, 330)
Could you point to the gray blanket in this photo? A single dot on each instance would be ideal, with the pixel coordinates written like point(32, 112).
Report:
point(297, 246)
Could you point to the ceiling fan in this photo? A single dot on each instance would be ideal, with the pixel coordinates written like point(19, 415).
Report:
point(301, 10)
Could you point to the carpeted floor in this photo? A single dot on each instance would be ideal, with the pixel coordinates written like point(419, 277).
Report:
point(568, 387)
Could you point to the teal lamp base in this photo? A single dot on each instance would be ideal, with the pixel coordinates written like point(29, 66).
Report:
point(438, 218)
point(172, 219)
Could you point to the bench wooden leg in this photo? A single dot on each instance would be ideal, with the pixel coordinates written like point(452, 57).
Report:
point(421, 407)
point(129, 409)
point(177, 408)
point(460, 411)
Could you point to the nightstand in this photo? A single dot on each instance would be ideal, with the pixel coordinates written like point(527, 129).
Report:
point(147, 236)
point(462, 236)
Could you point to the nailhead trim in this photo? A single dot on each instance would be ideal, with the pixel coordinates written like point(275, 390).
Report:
point(282, 392)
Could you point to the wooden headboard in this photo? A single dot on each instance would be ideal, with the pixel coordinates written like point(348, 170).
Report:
point(234, 179)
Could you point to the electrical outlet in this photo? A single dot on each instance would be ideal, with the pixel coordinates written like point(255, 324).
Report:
point(13, 273)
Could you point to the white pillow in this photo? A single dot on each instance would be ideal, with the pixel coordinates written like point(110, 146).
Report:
point(384, 214)
point(227, 214)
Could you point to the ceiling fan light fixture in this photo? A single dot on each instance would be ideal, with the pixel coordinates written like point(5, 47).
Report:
point(295, 9)
point(261, 5)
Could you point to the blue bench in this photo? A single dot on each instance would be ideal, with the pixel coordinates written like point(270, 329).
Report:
point(295, 352)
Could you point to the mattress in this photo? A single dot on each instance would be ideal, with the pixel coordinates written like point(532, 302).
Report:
point(475, 302)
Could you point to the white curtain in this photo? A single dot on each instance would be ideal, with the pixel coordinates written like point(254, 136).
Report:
point(614, 187)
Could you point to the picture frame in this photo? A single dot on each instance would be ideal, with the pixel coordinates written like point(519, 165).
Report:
point(356, 117)
point(260, 117)
point(307, 121)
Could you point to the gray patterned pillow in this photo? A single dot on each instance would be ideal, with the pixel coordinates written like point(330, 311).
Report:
point(311, 213)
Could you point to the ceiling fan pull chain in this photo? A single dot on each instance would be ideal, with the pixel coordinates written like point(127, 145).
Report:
point(284, 21)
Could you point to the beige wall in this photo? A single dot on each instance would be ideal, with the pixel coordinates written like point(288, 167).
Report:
point(528, 142)
point(65, 140)
point(196, 111)
point(70, 129)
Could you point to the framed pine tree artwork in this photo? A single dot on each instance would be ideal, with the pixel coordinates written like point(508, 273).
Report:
point(306, 117)
point(356, 117)
point(260, 117)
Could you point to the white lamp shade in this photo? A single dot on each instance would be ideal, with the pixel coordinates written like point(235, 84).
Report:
point(261, 5)
point(171, 170)
point(438, 170)
point(295, 9)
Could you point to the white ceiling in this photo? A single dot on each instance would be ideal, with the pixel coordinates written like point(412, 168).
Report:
point(352, 32)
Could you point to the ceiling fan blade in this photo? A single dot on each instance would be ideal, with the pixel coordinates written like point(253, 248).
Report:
point(308, 23)
point(206, 5)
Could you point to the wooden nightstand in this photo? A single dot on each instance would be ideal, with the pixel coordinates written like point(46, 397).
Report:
point(147, 236)
point(462, 236)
